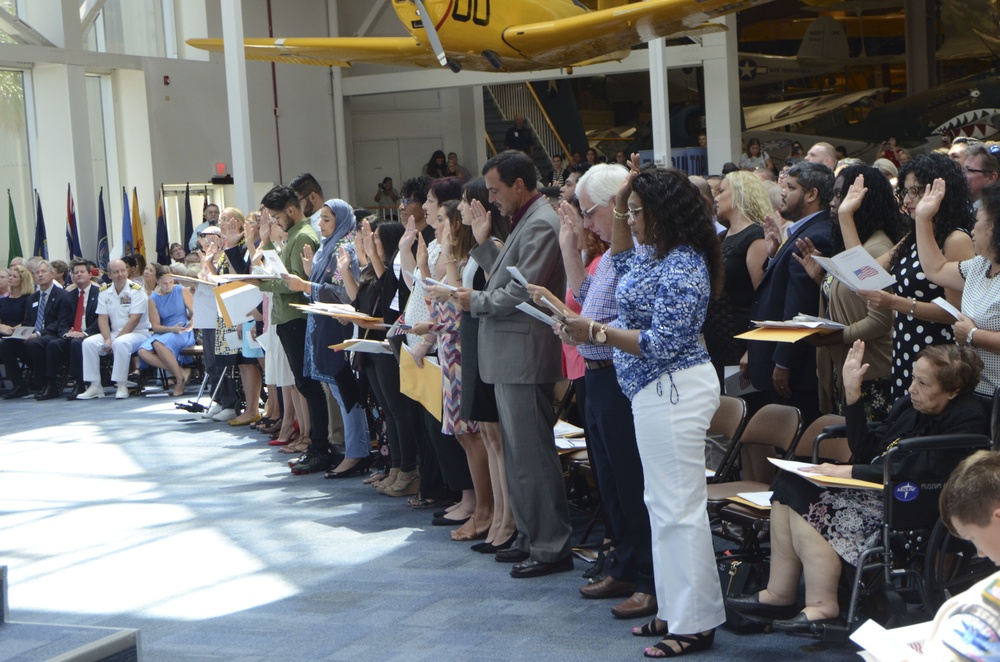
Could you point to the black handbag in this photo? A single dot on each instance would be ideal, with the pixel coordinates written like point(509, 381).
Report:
point(741, 577)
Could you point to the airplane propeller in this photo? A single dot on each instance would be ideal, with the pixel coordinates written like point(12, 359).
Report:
point(432, 34)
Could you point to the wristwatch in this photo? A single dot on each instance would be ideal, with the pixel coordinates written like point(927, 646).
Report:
point(968, 338)
point(601, 336)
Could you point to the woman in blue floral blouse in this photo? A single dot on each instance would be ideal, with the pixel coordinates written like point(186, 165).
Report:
point(669, 260)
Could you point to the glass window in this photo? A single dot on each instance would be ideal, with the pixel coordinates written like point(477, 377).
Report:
point(132, 27)
point(99, 148)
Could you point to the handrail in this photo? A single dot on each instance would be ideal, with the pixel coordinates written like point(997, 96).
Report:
point(512, 98)
point(548, 120)
point(490, 145)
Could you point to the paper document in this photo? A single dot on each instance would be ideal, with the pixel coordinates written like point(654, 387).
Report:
point(735, 382)
point(758, 499)
point(857, 269)
point(236, 301)
point(904, 644)
point(530, 310)
point(800, 321)
point(232, 340)
point(20, 333)
point(273, 263)
point(206, 308)
point(819, 479)
point(518, 276)
point(364, 346)
point(564, 429)
point(229, 278)
point(431, 281)
point(950, 309)
point(781, 335)
point(421, 384)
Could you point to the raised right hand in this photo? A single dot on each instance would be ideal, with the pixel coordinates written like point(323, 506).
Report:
point(854, 371)
point(772, 235)
point(482, 222)
point(570, 224)
point(410, 236)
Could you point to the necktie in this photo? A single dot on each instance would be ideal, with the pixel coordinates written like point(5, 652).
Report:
point(40, 318)
point(80, 306)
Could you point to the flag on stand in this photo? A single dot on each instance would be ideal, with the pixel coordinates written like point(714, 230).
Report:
point(137, 236)
point(162, 239)
point(13, 235)
point(103, 248)
point(72, 235)
point(41, 243)
point(188, 220)
point(125, 241)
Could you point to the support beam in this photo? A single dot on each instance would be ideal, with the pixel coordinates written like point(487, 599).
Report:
point(722, 97)
point(21, 31)
point(89, 10)
point(659, 102)
point(239, 111)
point(339, 109)
point(920, 47)
point(374, 14)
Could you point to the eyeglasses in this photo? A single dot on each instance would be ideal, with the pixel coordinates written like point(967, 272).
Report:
point(632, 213)
point(405, 201)
point(915, 192)
point(589, 213)
point(967, 170)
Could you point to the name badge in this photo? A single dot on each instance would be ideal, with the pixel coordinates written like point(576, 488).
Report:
point(34, 305)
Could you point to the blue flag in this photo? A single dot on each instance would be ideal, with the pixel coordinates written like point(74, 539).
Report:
point(41, 243)
point(126, 240)
point(162, 240)
point(72, 234)
point(103, 247)
point(188, 220)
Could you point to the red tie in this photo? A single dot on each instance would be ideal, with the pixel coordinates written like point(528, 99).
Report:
point(80, 306)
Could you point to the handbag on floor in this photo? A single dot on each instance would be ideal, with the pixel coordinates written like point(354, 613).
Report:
point(741, 577)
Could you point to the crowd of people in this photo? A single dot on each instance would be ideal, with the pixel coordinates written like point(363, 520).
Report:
point(648, 274)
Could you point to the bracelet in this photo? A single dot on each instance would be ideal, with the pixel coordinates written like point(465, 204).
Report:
point(968, 338)
point(913, 307)
point(590, 331)
point(621, 215)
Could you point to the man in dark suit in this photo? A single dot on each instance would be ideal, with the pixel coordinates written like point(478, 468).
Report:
point(786, 372)
point(522, 357)
point(50, 313)
point(68, 347)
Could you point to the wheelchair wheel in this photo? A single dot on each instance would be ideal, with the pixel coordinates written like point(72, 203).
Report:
point(951, 566)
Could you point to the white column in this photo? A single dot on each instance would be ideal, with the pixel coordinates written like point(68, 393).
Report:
point(239, 109)
point(339, 126)
point(722, 96)
point(659, 103)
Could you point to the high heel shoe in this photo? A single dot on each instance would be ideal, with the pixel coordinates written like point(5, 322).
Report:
point(492, 548)
point(284, 442)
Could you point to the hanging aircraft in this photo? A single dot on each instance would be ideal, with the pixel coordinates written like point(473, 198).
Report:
point(515, 35)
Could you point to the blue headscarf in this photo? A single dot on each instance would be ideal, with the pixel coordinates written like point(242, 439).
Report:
point(345, 223)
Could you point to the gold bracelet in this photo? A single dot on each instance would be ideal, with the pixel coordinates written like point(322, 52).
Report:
point(621, 215)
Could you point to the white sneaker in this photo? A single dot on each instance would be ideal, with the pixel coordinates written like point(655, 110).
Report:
point(122, 392)
point(95, 390)
point(225, 415)
point(213, 410)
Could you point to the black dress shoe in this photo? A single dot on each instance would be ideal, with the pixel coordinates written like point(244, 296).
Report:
point(531, 568)
point(444, 521)
point(492, 548)
point(359, 469)
point(19, 392)
point(511, 556)
point(751, 606)
point(51, 393)
point(800, 624)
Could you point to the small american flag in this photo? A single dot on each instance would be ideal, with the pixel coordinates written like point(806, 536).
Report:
point(865, 272)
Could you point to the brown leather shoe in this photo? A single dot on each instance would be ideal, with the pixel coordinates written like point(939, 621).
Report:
point(636, 606)
point(609, 587)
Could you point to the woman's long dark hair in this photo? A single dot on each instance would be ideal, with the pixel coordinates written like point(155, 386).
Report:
point(878, 211)
point(955, 212)
point(476, 190)
point(434, 170)
point(390, 234)
point(676, 214)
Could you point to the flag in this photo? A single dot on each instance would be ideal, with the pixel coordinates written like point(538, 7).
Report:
point(41, 243)
point(103, 249)
point(13, 235)
point(867, 271)
point(125, 241)
point(137, 237)
point(188, 221)
point(72, 235)
point(162, 240)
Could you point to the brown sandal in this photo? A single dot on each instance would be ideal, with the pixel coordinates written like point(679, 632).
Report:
point(299, 446)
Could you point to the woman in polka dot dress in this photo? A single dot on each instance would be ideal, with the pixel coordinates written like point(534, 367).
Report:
point(918, 322)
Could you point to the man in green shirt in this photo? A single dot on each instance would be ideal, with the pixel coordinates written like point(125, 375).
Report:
point(282, 204)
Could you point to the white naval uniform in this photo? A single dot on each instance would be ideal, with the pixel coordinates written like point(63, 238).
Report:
point(118, 307)
point(967, 627)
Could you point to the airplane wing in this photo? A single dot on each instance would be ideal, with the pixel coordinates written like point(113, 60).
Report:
point(586, 36)
point(774, 115)
point(335, 52)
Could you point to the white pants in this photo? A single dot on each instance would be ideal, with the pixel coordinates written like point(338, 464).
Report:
point(670, 425)
point(122, 347)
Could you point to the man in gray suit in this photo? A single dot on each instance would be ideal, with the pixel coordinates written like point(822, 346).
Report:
point(521, 356)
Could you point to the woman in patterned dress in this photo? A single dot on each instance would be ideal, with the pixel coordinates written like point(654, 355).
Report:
point(456, 241)
point(918, 322)
point(979, 325)
point(813, 528)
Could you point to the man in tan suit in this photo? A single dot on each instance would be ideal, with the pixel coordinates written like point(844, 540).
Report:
point(521, 356)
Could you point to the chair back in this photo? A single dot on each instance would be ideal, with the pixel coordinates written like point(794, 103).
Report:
point(816, 443)
point(724, 432)
point(771, 432)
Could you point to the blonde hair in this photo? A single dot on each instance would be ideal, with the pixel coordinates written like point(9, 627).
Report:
point(234, 213)
point(27, 280)
point(750, 198)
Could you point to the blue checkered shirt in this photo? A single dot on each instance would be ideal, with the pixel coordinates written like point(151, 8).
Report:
point(597, 300)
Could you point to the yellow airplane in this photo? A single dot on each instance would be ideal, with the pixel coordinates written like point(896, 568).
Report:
point(517, 35)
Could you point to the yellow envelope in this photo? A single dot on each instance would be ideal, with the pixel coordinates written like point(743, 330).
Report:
point(780, 335)
point(235, 301)
point(421, 384)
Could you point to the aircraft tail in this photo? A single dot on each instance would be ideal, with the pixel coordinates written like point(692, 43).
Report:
point(825, 40)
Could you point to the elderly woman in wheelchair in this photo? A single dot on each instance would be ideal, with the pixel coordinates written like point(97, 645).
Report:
point(813, 528)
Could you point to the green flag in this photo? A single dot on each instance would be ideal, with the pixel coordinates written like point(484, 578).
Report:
point(15, 238)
